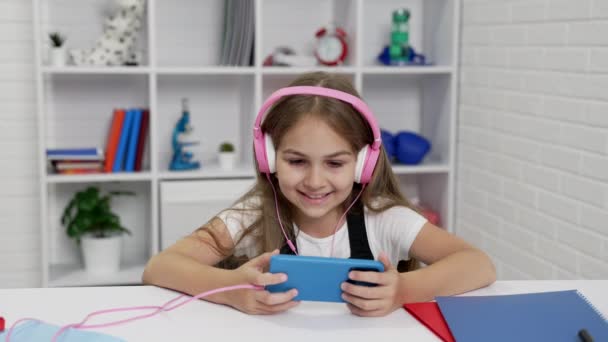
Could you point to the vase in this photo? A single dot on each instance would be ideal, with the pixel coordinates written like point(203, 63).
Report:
point(227, 160)
point(58, 56)
point(101, 255)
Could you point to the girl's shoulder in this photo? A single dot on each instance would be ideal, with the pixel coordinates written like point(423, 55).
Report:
point(382, 208)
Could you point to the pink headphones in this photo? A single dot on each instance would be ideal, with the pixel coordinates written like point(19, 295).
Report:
point(265, 153)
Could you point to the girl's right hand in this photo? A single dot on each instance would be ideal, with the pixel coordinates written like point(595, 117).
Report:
point(261, 302)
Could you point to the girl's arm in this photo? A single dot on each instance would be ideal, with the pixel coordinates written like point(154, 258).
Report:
point(187, 266)
point(454, 267)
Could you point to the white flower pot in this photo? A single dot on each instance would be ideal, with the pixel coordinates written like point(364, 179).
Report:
point(227, 160)
point(58, 56)
point(101, 255)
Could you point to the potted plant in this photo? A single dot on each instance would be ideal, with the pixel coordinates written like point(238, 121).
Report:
point(89, 220)
point(58, 54)
point(227, 156)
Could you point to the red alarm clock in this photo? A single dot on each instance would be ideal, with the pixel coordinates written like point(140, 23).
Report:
point(331, 47)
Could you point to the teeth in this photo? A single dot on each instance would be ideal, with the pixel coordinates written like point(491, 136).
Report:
point(316, 197)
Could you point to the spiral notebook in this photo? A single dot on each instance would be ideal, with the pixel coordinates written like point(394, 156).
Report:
point(547, 316)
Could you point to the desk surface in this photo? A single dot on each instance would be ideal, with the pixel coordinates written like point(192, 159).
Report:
point(204, 321)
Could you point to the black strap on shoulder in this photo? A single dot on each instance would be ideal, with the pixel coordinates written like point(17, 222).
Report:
point(357, 235)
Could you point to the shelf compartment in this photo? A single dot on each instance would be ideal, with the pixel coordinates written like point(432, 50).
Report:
point(417, 103)
point(432, 191)
point(64, 257)
point(232, 100)
point(431, 29)
point(80, 108)
point(294, 23)
point(272, 83)
point(189, 32)
point(83, 23)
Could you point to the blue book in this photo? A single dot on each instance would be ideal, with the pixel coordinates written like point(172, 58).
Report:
point(121, 151)
point(89, 151)
point(133, 137)
point(548, 316)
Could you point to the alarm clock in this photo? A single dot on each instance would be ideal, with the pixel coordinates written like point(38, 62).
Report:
point(331, 47)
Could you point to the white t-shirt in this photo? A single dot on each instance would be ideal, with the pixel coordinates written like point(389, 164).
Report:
point(392, 231)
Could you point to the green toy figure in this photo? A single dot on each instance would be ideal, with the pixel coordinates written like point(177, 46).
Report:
point(399, 51)
point(400, 37)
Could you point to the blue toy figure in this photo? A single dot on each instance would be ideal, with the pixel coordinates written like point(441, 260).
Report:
point(181, 158)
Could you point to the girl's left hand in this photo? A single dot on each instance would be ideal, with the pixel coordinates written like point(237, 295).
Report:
point(377, 300)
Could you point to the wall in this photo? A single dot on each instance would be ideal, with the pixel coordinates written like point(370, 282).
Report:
point(19, 214)
point(533, 136)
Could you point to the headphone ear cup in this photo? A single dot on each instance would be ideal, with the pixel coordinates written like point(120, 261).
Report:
point(271, 155)
point(360, 163)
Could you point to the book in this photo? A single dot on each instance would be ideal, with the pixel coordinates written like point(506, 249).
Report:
point(113, 138)
point(141, 143)
point(87, 151)
point(123, 142)
point(77, 164)
point(547, 316)
point(132, 142)
point(428, 313)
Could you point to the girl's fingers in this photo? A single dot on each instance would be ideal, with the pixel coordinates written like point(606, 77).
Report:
point(271, 299)
point(359, 312)
point(366, 292)
point(362, 303)
point(370, 277)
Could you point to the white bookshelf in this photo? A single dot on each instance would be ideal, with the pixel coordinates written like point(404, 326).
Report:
point(182, 40)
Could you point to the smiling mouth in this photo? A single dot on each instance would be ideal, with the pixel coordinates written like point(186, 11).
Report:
point(314, 198)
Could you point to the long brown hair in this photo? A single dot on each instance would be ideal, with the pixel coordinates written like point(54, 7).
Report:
point(349, 124)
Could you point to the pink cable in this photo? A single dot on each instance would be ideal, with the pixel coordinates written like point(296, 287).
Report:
point(289, 243)
point(157, 309)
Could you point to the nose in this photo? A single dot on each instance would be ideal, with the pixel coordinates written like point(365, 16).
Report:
point(314, 177)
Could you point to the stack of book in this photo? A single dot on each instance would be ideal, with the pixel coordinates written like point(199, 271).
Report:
point(75, 160)
point(126, 140)
point(124, 147)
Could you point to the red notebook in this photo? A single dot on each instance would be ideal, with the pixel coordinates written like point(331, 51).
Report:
point(429, 314)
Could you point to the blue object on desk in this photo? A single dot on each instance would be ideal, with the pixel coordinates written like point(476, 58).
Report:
point(318, 278)
point(547, 316)
point(40, 331)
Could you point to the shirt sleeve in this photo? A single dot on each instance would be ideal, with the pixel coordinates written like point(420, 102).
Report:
point(397, 228)
point(237, 219)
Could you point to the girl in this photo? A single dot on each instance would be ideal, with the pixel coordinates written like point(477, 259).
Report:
point(325, 187)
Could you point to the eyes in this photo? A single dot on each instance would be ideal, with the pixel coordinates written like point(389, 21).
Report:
point(334, 164)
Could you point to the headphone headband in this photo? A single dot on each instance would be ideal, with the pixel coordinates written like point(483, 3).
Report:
point(356, 102)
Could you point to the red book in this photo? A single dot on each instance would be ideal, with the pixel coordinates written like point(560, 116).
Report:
point(141, 141)
point(113, 138)
point(429, 314)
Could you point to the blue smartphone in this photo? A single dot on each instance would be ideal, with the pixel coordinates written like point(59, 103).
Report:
point(318, 278)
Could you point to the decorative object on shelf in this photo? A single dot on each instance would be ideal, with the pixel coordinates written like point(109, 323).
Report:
point(227, 156)
point(286, 56)
point(117, 45)
point(400, 52)
point(411, 148)
point(182, 159)
point(89, 220)
point(58, 53)
point(331, 47)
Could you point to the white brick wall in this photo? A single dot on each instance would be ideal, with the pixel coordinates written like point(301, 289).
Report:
point(533, 136)
point(19, 214)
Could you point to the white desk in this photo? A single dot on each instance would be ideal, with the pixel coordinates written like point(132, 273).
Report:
point(203, 321)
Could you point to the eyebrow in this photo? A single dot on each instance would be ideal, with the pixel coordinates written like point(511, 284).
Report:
point(333, 155)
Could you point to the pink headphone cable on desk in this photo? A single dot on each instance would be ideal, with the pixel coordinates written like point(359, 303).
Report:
point(157, 309)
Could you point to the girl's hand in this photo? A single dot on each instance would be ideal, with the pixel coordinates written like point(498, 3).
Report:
point(377, 300)
point(261, 302)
